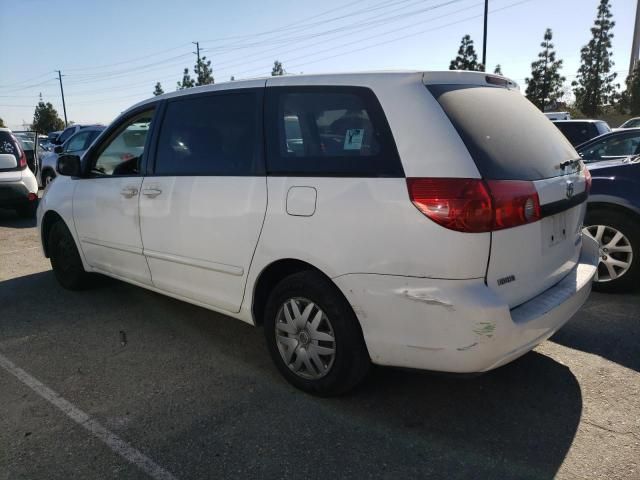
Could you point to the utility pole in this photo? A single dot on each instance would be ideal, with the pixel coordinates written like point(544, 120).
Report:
point(635, 46)
point(484, 39)
point(197, 52)
point(64, 106)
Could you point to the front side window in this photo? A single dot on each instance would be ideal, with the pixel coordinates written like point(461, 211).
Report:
point(211, 135)
point(122, 154)
point(329, 131)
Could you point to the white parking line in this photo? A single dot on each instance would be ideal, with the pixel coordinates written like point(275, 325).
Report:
point(114, 442)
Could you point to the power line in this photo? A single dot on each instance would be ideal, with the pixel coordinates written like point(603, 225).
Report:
point(408, 36)
point(377, 35)
point(357, 27)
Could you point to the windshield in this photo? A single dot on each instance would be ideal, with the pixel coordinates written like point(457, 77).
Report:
point(515, 142)
point(633, 123)
point(613, 146)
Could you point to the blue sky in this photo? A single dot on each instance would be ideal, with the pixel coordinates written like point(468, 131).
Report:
point(113, 52)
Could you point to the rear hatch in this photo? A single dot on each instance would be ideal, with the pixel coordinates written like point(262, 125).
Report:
point(513, 143)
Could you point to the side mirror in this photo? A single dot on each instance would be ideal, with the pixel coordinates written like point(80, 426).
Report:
point(69, 165)
point(58, 149)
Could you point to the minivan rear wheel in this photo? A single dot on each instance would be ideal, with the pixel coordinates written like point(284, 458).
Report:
point(618, 238)
point(313, 335)
point(65, 258)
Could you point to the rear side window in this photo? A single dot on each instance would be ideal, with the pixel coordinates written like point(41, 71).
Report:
point(603, 127)
point(64, 136)
point(211, 135)
point(507, 137)
point(328, 131)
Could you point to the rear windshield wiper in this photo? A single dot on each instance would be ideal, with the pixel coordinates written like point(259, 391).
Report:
point(570, 163)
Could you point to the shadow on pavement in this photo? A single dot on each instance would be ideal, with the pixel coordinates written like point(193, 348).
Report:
point(9, 218)
point(609, 326)
point(201, 397)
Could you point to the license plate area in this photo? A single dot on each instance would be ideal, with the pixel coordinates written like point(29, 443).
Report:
point(554, 230)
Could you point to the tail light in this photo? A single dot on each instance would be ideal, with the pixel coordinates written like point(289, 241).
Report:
point(473, 205)
point(22, 160)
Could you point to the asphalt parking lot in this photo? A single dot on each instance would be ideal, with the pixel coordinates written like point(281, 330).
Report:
point(194, 395)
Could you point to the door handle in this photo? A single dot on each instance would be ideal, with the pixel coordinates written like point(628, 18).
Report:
point(128, 192)
point(151, 192)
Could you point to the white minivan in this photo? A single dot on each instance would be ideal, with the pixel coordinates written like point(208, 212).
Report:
point(428, 220)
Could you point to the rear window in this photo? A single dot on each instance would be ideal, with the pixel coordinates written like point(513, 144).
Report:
point(578, 132)
point(506, 135)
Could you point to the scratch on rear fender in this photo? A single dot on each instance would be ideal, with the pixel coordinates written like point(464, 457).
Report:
point(426, 296)
point(468, 347)
point(485, 329)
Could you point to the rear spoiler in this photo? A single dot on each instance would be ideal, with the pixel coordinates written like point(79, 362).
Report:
point(459, 77)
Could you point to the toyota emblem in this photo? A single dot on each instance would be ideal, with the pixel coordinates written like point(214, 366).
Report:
point(569, 189)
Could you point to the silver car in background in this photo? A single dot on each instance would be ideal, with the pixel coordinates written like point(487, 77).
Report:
point(75, 145)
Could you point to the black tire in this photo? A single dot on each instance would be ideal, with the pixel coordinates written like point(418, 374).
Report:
point(47, 177)
point(65, 259)
point(630, 228)
point(351, 362)
point(27, 210)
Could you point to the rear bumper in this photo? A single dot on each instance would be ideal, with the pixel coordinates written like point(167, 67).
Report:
point(459, 325)
point(13, 194)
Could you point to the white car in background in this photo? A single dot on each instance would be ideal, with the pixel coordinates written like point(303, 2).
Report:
point(360, 218)
point(18, 186)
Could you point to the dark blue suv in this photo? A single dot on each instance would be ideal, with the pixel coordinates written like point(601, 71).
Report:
point(613, 219)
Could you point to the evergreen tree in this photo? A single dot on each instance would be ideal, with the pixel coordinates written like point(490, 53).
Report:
point(594, 85)
point(544, 88)
point(203, 72)
point(2, 125)
point(187, 81)
point(498, 70)
point(232, 78)
point(158, 90)
point(467, 58)
point(277, 69)
point(45, 118)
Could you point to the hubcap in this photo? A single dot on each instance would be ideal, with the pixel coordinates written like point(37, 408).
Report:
point(616, 254)
point(305, 338)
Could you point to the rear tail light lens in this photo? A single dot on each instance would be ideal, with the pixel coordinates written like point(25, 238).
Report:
point(514, 203)
point(473, 205)
point(22, 160)
point(461, 204)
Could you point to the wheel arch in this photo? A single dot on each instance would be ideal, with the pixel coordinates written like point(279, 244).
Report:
point(593, 206)
point(48, 219)
point(269, 278)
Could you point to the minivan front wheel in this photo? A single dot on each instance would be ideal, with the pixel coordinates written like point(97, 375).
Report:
point(65, 258)
point(313, 335)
